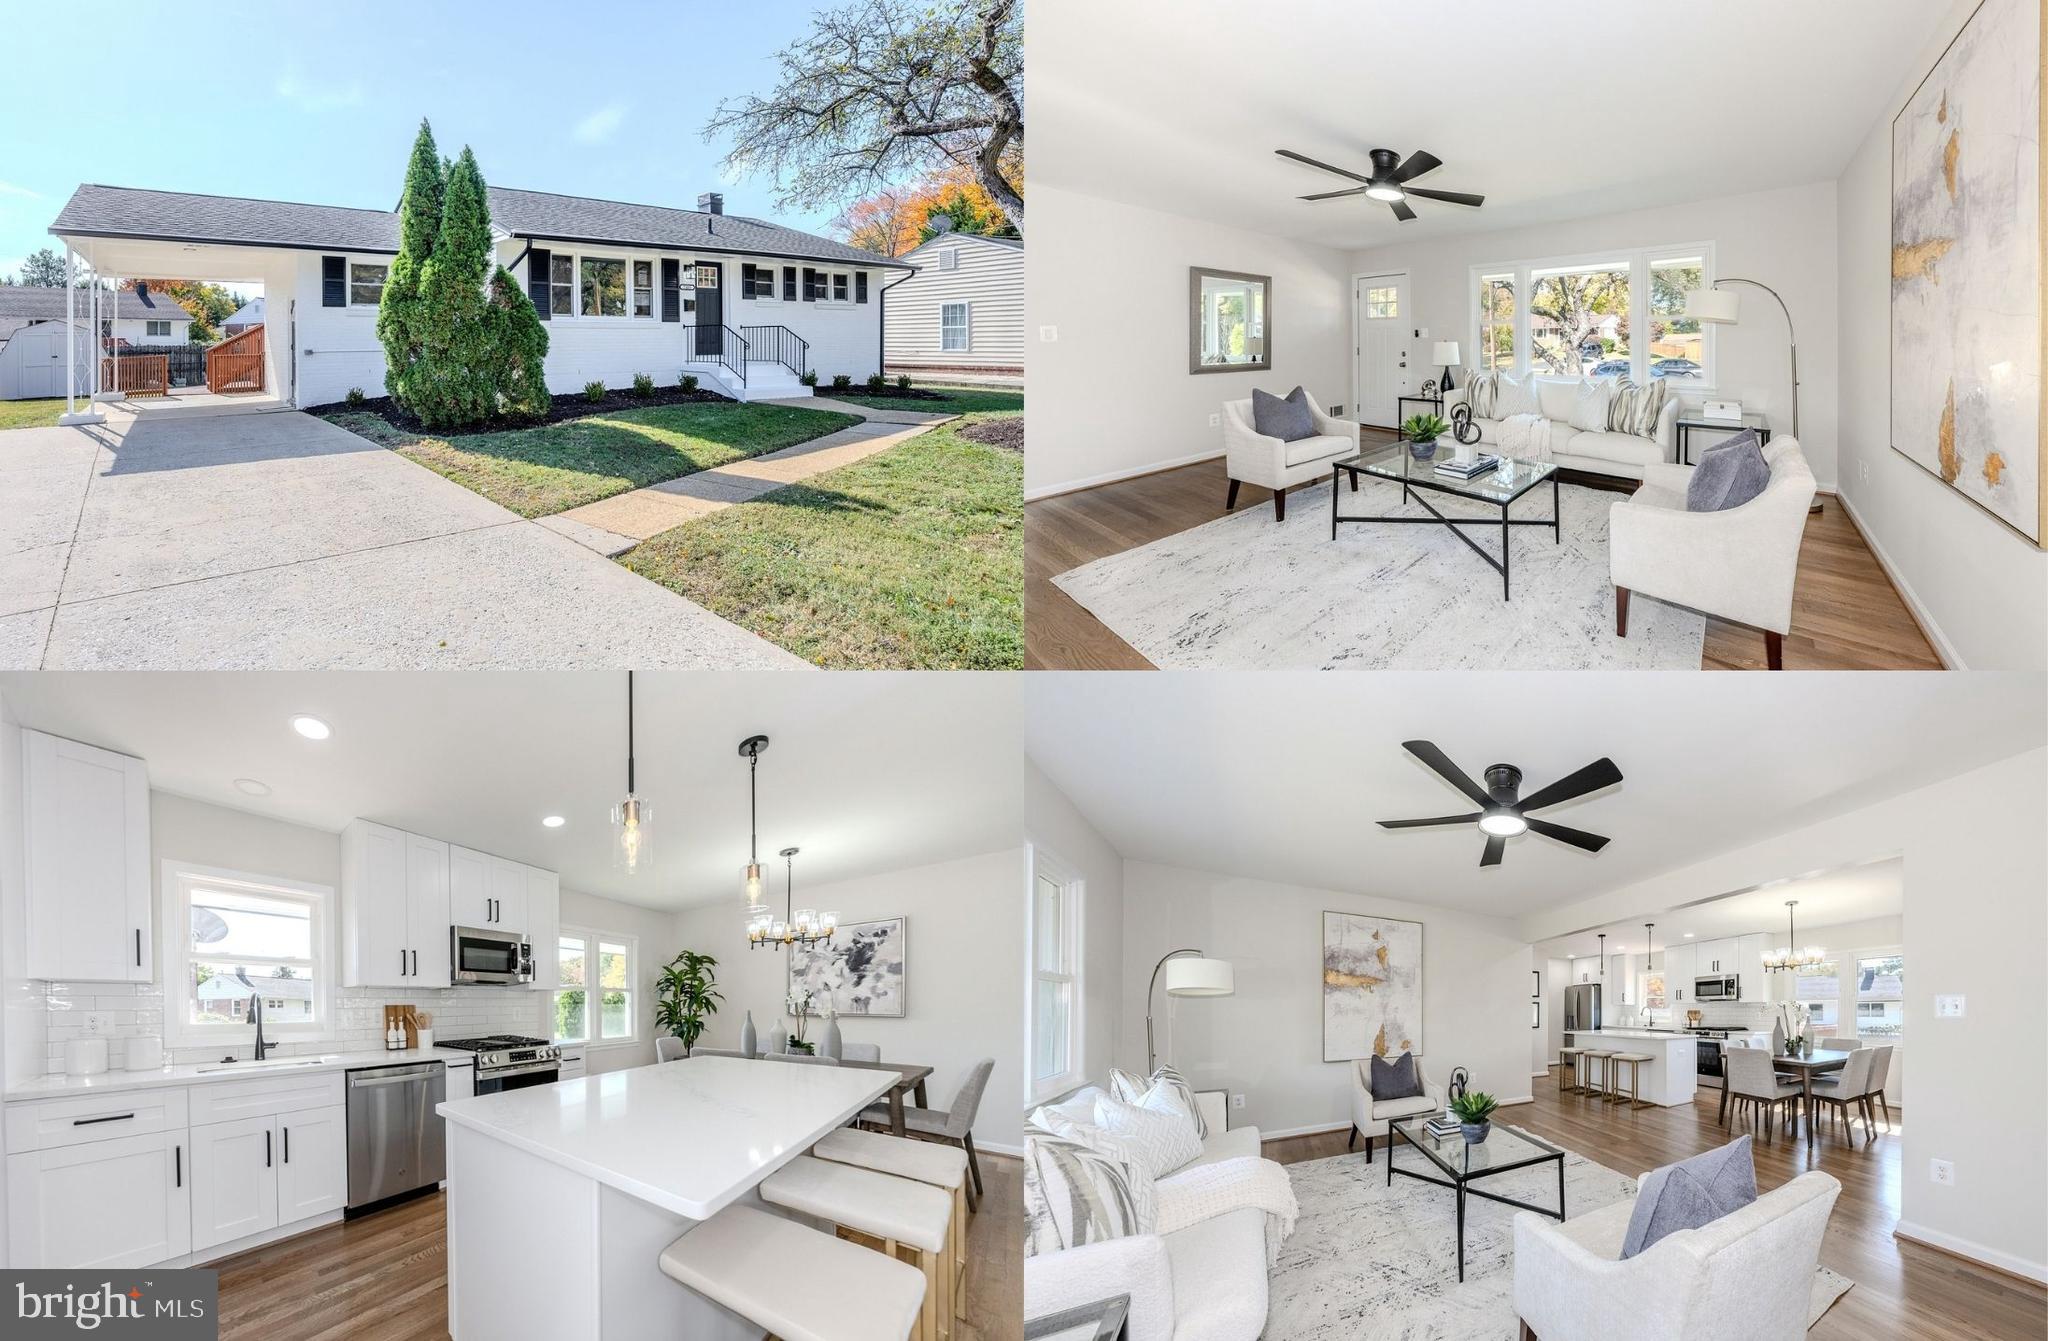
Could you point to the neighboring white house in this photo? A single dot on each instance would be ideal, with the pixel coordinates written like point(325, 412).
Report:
point(743, 304)
point(140, 318)
point(963, 311)
point(247, 315)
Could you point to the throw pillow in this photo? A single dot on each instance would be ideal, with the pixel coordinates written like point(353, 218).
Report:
point(1482, 393)
point(1133, 1089)
point(1078, 1107)
point(1729, 474)
point(1589, 404)
point(1691, 1193)
point(1118, 1151)
point(1286, 418)
point(1162, 1138)
point(1397, 1079)
point(1634, 409)
point(1517, 395)
point(1075, 1195)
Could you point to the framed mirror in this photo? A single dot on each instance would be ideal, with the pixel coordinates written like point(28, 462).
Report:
point(1230, 321)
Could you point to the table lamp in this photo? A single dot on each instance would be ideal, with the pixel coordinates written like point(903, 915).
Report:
point(1445, 355)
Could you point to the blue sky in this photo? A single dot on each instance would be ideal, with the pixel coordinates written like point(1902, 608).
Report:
point(320, 102)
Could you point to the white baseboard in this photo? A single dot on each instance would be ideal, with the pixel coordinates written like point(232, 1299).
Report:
point(1286, 1133)
point(1942, 647)
point(1075, 486)
point(1976, 1252)
point(991, 1148)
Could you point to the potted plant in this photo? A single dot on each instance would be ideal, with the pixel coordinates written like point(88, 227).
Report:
point(798, 1007)
point(1422, 431)
point(1474, 1111)
point(687, 996)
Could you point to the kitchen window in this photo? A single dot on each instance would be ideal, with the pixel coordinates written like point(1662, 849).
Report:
point(365, 284)
point(953, 326)
point(643, 288)
point(604, 287)
point(157, 328)
point(231, 937)
point(594, 995)
point(1056, 898)
point(1616, 314)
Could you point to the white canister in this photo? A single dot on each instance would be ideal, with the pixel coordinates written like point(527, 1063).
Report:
point(145, 1053)
point(85, 1056)
point(426, 1038)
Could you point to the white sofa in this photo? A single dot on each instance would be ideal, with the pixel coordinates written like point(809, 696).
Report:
point(1371, 1117)
point(1748, 1274)
point(1203, 1283)
point(1739, 565)
point(1623, 455)
point(1250, 457)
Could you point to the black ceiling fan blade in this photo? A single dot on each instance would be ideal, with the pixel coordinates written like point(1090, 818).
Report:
point(1419, 162)
point(1401, 211)
point(1429, 754)
point(1448, 197)
point(1317, 163)
point(1425, 823)
point(1591, 842)
point(1495, 845)
point(1600, 773)
point(1336, 195)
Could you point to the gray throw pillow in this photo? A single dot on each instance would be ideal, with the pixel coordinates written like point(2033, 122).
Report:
point(1396, 1079)
point(1728, 475)
point(1286, 418)
point(1691, 1193)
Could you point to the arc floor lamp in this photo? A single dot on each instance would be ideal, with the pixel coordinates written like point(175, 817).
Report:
point(1188, 973)
point(1720, 308)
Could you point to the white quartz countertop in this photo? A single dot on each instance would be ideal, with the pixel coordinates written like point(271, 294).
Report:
point(207, 1073)
point(688, 1136)
point(1651, 1035)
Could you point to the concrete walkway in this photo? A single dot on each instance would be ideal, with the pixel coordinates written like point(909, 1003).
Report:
point(611, 526)
point(276, 540)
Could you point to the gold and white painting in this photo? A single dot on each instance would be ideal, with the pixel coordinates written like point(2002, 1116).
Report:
point(1966, 267)
point(1372, 987)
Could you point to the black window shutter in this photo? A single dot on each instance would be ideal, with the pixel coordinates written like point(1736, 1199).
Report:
point(746, 280)
point(333, 281)
point(539, 265)
point(671, 289)
point(789, 284)
point(860, 286)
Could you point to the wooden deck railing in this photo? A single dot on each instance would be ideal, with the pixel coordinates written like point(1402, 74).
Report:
point(236, 363)
point(137, 374)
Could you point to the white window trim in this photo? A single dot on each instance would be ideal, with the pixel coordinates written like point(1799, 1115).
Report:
point(1638, 260)
point(1073, 913)
point(774, 294)
point(966, 327)
point(149, 333)
point(653, 288)
point(591, 938)
point(173, 956)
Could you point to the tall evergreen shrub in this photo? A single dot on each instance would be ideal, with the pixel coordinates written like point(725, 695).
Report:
point(399, 315)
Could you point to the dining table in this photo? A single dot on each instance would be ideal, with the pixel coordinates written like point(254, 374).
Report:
point(912, 1082)
point(1818, 1062)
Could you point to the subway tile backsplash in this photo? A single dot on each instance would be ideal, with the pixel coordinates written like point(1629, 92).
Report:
point(128, 1010)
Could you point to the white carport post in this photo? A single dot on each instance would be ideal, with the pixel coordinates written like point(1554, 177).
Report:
point(72, 414)
point(110, 305)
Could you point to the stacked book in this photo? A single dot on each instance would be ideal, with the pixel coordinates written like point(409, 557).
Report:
point(1442, 1125)
point(1465, 470)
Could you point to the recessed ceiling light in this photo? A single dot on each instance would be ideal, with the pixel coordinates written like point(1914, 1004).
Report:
point(1688, 933)
point(312, 728)
point(552, 821)
point(251, 787)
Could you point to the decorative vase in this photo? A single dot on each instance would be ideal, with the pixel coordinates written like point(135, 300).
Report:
point(829, 1042)
point(1421, 450)
point(748, 1039)
point(1476, 1132)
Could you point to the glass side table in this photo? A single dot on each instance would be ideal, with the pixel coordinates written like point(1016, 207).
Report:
point(1687, 423)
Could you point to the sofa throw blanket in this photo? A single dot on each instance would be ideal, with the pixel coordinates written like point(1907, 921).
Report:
point(1209, 1190)
point(1526, 437)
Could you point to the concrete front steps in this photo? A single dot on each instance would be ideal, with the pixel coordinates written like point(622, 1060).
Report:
point(765, 381)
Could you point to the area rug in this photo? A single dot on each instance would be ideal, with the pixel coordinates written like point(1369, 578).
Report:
point(1245, 592)
point(1371, 1263)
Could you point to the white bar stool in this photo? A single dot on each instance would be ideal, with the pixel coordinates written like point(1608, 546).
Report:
point(794, 1282)
point(943, 1166)
point(900, 1212)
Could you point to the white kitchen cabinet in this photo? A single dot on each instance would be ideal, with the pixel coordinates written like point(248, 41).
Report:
point(461, 1080)
point(312, 1168)
point(573, 1063)
point(508, 896)
point(544, 927)
point(394, 897)
point(123, 1202)
point(1749, 962)
point(426, 897)
point(1678, 975)
point(86, 831)
point(471, 901)
point(1715, 958)
point(234, 1180)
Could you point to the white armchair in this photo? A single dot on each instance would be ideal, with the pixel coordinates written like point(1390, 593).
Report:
point(1372, 1117)
point(1738, 565)
point(1747, 1274)
point(1250, 457)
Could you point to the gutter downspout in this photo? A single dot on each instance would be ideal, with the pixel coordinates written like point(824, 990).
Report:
point(882, 326)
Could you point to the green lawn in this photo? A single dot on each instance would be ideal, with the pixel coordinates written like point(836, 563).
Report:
point(910, 559)
point(958, 400)
point(550, 468)
point(30, 413)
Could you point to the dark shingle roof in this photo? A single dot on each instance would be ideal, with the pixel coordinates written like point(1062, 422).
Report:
point(119, 211)
point(20, 301)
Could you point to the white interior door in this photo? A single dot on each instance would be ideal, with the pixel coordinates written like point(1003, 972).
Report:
point(1383, 324)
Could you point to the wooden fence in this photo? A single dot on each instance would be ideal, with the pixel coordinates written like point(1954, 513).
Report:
point(236, 363)
point(138, 374)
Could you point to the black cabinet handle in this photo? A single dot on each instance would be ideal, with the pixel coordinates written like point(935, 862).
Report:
point(178, 1152)
point(87, 1122)
point(287, 1145)
point(138, 947)
point(266, 1150)
point(401, 963)
point(415, 963)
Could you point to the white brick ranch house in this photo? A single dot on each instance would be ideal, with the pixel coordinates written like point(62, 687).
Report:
point(744, 304)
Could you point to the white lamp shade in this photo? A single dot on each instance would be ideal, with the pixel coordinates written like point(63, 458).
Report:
point(1444, 354)
point(1188, 976)
point(1712, 305)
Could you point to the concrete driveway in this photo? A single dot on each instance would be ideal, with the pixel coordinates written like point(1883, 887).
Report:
point(270, 540)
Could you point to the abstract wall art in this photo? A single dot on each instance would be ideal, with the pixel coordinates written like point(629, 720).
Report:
point(1372, 987)
point(860, 970)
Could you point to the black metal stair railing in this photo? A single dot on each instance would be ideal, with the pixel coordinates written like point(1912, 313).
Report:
point(779, 344)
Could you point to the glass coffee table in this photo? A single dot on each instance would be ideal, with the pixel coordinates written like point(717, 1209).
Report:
point(1393, 461)
point(1449, 1162)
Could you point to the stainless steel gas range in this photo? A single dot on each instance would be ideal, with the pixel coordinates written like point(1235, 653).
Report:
point(1710, 1043)
point(510, 1062)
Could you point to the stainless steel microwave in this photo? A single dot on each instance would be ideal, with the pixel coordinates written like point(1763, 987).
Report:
point(1724, 987)
point(480, 955)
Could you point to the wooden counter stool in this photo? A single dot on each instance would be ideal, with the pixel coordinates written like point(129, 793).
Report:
point(1633, 1061)
point(1568, 1078)
point(1597, 1086)
point(941, 1166)
point(903, 1215)
point(795, 1282)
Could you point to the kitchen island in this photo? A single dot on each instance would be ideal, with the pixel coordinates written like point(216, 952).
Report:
point(1667, 1081)
point(561, 1197)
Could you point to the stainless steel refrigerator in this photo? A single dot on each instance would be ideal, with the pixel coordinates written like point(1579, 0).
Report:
point(1582, 1007)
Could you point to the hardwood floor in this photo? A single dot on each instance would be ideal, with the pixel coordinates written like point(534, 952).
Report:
point(384, 1277)
point(1846, 615)
point(1902, 1290)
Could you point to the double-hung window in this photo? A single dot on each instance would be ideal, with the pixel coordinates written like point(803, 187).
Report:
point(604, 287)
point(1496, 323)
point(157, 328)
point(953, 326)
point(561, 285)
point(1056, 898)
point(839, 282)
point(757, 281)
point(1881, 996)
point(1615, 314)
point(366, 284)
point(1678, 346)
point(1819, 989)
point(231, 938)
point(643, 288)
point(594, 994)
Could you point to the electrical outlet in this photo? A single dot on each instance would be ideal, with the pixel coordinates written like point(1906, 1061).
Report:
point(1942, 1171)
point(1048, 335)
point(1863, 471)
point(92, 1024)
point(1948, 1007)
point(1215, 421)
point(1237, 1101)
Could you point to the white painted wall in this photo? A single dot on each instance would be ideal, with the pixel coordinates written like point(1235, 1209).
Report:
point(1112, 397)
point(1052, 824)
point(1783, 238)
point(1266, 1041)
point(964, 932)
point(1979, 587)
point(654, 931)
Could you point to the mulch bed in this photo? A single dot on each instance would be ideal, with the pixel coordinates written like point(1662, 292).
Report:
point(1006, 432)
point(570, 406)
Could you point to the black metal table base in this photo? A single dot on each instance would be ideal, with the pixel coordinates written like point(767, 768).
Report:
point(1555, 521)
point(1463, 1190)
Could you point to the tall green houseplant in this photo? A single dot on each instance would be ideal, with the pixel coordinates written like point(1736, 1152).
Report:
point(688, 996)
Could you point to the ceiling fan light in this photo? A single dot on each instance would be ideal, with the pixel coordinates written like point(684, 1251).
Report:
point(1502, 824)
point(1385, 191)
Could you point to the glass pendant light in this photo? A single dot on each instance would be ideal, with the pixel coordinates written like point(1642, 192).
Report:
point(750, 874)
point(630, 817)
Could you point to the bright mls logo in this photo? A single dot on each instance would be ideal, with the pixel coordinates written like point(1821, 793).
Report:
point(161, 1305)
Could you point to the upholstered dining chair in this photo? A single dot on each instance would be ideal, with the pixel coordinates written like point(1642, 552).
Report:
point(669, 1048)
point(953, 1125)
point(1753, 1085)
point(860, 1052)
point(1850, 1096)
point(802, 1059)
point(1880, 1072)
point(700, 1052)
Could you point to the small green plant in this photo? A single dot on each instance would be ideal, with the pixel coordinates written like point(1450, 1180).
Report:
point(1425, 428)
point(1474, 1107)
point(688, 381)
point(842, 381)
point(903, 382)
point(687, 996)
point(809, 379)
point(643, 384)
point(877, 383)
point(354, 398)
point(593, 392)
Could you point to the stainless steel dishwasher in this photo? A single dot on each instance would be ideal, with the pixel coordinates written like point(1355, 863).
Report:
point(396, 1143)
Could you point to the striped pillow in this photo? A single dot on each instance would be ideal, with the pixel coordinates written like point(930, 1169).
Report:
point(1482, 393)
point(1132, 1089)
point(1634, 409)
point(1076, 1194)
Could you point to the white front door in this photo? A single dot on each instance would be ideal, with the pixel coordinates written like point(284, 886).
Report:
point(1382, 322)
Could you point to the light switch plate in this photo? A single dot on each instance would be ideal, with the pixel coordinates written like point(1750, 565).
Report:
point(1215, 421)
point(1949, 1007)
point(1237, 1101)
point(1048, 335)
point(1942, 1171)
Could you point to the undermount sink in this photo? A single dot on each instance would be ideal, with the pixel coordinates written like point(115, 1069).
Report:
point(270, 1066)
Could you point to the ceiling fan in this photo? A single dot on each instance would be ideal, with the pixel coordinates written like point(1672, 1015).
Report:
point(1389, 180)
point(1503, 812)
